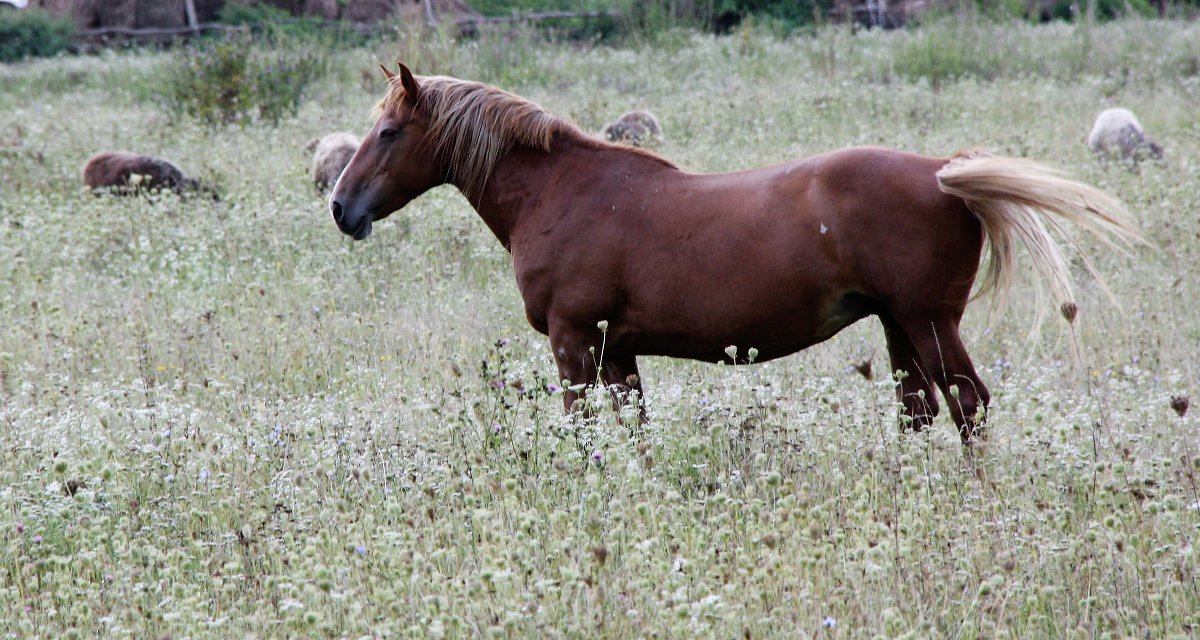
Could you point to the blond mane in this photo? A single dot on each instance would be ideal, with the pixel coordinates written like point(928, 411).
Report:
point(473, 124)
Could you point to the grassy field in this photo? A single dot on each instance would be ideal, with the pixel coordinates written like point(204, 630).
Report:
point(224, 419)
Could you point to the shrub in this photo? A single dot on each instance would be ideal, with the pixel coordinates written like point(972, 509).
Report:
point(657, 21)
point(787, 14)
point(509, 7)
point(264, 18)
point(254, 15)
point(946, 50)
point(239, 79)
point(32, 33)
point(1105, 9)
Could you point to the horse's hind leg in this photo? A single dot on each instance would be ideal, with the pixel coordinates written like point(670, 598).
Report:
point(620, 374)
point(945, 358)
point(915, 390)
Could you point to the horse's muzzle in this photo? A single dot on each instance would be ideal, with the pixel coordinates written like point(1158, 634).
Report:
point(355, 225)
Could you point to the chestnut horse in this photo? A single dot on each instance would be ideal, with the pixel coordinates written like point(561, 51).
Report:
point(686, 265)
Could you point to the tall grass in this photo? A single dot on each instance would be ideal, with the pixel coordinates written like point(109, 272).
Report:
point(224, 419)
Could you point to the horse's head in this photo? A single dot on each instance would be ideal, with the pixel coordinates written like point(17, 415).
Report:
point(393, 164)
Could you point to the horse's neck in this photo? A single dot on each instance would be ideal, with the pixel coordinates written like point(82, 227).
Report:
point(524, 180)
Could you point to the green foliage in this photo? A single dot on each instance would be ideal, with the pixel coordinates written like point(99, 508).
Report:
point(789, 12)
point(648, 19)
point(32, 34)
point(510, 7)
point(253, 14)
point(502, 59)
point(1105, 9)
point(944, 51)
point(263, 18)
point(238, 79)
point(656, 18)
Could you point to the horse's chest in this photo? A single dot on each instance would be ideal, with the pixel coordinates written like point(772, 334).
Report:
point(532, 282)
point(570, 274)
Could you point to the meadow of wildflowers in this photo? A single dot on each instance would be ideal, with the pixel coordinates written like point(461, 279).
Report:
point(223, 419)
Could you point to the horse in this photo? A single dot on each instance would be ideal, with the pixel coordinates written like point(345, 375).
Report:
point(618, 253)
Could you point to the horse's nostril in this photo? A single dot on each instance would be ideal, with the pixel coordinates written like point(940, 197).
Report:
point(335, 208)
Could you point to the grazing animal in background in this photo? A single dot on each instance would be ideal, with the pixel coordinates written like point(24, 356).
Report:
point(637, 128)
point(1118, 134)
point(331, 154)
point(124, 173)
point(618, 253)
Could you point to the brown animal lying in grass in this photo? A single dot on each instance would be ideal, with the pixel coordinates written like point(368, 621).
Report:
point(127, 173)
point(331, 154)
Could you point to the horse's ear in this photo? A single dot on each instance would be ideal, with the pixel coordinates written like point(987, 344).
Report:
point(387, 74)
point(411, 88)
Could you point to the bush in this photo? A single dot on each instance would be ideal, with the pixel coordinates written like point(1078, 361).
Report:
point(32, 33)
point(1105, 9)
point(253, 15)
point(239, 79)
point(264, 18)
point(788, 13)
point(647, 18)
point(946, 50)
point(510, 7)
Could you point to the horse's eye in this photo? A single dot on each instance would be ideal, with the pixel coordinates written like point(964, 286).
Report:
point(387, 134)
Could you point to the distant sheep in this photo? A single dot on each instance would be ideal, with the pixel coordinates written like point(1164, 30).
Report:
point(637, 128)
point(1118, 134)
point(331, 154)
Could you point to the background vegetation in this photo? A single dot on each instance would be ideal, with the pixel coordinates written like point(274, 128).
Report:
point(224, 419)
point(243, 78)
point(36, 33)
point(32, 34)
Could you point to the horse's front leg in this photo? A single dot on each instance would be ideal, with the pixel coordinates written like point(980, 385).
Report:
point(576, 354)
point(584, 359)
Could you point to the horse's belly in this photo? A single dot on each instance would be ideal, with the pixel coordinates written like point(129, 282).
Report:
point(790, 328)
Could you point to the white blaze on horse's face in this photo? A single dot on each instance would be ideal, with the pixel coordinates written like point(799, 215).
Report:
point(391, 167)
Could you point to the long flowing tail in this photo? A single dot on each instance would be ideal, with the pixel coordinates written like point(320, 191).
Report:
point(1014, 199)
